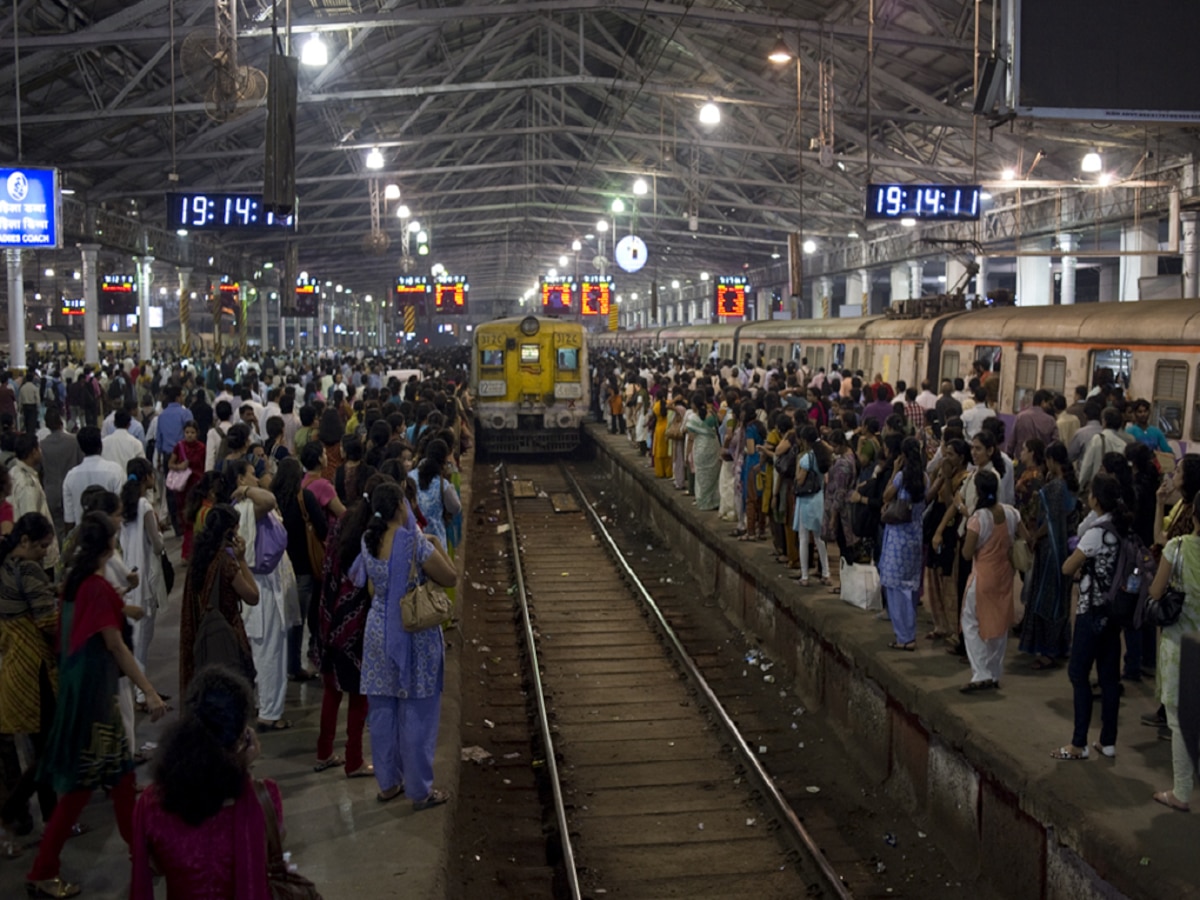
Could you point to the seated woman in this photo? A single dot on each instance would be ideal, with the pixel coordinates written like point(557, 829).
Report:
point(200, 824)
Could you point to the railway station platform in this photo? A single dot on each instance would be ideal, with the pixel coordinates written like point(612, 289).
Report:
point(348, 843)
point(976, 769)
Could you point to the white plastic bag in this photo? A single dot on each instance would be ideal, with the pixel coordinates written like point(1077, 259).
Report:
point(860, 586)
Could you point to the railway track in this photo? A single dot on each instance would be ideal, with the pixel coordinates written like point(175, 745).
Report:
point(654, 792)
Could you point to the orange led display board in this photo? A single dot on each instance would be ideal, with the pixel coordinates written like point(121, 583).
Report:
point(450, 294)
point(557, 295)
point(731, 296)
point(595, 294)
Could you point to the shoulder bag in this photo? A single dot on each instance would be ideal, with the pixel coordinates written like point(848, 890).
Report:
point(1166, 610)
point(426, 604)
point(1019, 553)
point(814, 481)
point(897, 512)
point(283, 883)
point(316, 549)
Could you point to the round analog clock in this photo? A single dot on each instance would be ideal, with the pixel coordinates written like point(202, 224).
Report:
point(631, 253)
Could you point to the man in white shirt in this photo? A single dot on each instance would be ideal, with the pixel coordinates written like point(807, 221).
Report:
point(1112, 438)
point(927, 399)
point(972, 418)
point(121, 446)
point(93, 470)
point(216, 434)
point(109, 425)
point(27, 494)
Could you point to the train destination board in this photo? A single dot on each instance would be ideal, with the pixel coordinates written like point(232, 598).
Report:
point(308, 295)
point(731, 296)
point(411, 290)
point(118, 295)
point(595, 294)
point(450, 294)
point(557, 295)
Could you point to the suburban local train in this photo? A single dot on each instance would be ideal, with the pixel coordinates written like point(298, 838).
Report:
point(530, 380)
point(1152, 347)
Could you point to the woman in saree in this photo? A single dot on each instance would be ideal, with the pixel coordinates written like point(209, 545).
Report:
point(1045, 631)
point(661, 447)
point(188, 456)
point(701, 425)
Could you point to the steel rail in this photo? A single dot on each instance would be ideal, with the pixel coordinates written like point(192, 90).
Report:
point(560, 811)
point(749, 759)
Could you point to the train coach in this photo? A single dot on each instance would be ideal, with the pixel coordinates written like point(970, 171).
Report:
point(530, 380)
point(1152, 348)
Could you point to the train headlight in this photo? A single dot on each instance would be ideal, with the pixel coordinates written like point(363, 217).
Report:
point(565, 420)
point(530, 326)
point(498, 421)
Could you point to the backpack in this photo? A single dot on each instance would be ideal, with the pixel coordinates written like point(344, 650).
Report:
point(1131, 577)
point(216, 644)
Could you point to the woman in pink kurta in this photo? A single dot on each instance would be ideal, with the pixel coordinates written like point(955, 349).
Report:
point(200, 825)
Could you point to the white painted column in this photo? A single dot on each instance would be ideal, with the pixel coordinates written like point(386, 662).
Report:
point(1110, 291)
point(264, 337)
point(762, 305)
point(900, 282)
point(916, 279)
point(981, 280)
point(1035, 282)
point(145, 281)
point(91, 304)
point(1068, 243)
point(16, 310)
point(955, 270)
point(853, 293)
point(1191, 253)
point(815, 286)
point(864, 281)
point(1140, 237)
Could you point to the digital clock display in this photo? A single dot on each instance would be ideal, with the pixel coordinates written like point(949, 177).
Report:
point(203, 211)
point(936, 202)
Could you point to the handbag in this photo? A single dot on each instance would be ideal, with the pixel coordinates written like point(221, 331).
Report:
point(425, 605)
point(1020, 555)
point(270, 543)
point(316, 547)
point(1166, 610)
point(897, 512)
point(177, 479)
point(168, 571)
point(813, 481)
point(216, 643)
point(860, 585)
point(283, 883)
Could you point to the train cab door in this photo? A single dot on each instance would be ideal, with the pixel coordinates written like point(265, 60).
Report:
point(494, 364)
point(568, 366)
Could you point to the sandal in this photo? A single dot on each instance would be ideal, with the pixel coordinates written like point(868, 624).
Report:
point(738, 532)
point(1042, 663)
point(323, 764)
point(390, 794)
point(800, 580)
point(827, 581)
point(364, 771)
point(52, 887)
point(1168, 799)
point(1109, 751)
point(910, 647)
point(277, 725)
point(975, 686)
point(435, 798)
point(1067, 753)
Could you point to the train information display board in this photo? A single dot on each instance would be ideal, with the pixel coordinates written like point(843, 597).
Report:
point(731, 296)
point(308, 295)
point(450, 294)
point(29, 213)
point(72, 306)
point(412, 291)
point(595, 294)
point(557, 295)
point(118, 295)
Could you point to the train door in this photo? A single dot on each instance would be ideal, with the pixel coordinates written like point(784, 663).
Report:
point(989, 355)
point(837, 356)
point(1113, 364)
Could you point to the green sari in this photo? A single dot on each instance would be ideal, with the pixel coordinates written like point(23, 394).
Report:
point(706, 457)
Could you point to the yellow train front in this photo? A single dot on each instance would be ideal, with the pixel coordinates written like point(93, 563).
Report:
point(530, 379)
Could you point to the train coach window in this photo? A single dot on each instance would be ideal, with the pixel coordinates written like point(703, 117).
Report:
point(837, 358)
point(949, 364)
point(491, 358)
point(568, 359)
point(1054, 374)
point(797, 352)
point(1119, 364)
point(531, 354)
point(1170, 395)
point(1026, 380)
point(989, 355)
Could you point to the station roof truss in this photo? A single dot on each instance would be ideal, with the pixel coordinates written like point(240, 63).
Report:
point(511, 126)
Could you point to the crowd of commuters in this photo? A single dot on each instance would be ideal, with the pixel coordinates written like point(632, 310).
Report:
point(308, 492)
point(975, 517)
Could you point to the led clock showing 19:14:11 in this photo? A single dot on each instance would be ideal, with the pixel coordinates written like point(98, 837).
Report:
point(218, 211)
point(945, 202)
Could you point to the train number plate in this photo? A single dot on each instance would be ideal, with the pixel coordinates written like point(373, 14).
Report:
point(492, 388)
point(568, 391)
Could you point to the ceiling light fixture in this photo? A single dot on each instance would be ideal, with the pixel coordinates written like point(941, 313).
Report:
point(562, 260)
point(403, 212)
point(577, 245)
point(314, 53)
point(618, 206)
point(414, 226)
point(710, 114)
point(391, 192)
point(640, 188)
point(809, 246)
point(1092, 163)
point(374, 159)
point(908, 222)
point(1008, 174)
point(779, 53)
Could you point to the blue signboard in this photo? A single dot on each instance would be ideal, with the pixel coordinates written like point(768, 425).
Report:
point(29, 208)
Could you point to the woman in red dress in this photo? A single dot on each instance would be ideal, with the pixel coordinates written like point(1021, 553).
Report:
point(201, 821)
point(188, 456)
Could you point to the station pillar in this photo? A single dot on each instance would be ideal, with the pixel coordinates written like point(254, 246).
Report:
point(1191, 253)
point(1035, 281)
point(1068, 243)
point(263, 330)
point(184, 274)
point(901, 282)
point(1140, 238)
point(16, 310)
point(955, 270)
point(91, 304)
point(855, 294)
point(916, 278)
point(981, 280)
point(145, 279)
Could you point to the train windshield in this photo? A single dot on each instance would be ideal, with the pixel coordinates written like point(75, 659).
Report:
point(568, 358)
point(491, 358)
point(530, 354)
